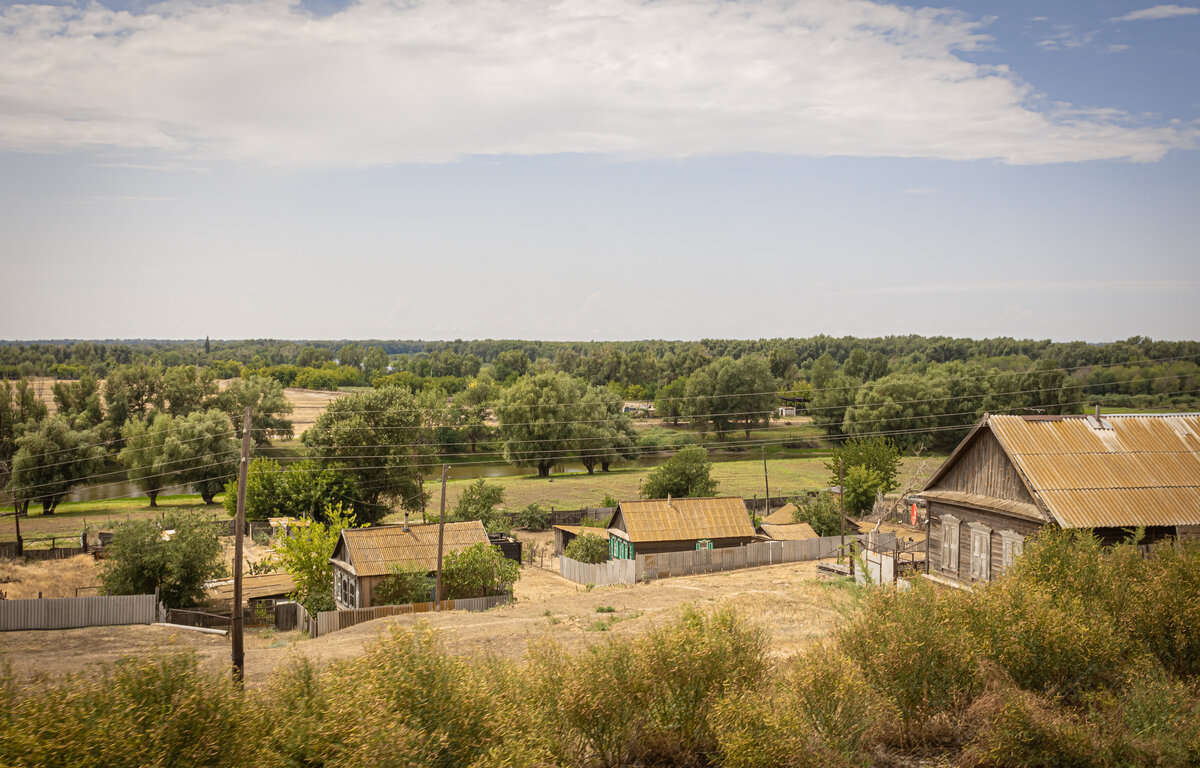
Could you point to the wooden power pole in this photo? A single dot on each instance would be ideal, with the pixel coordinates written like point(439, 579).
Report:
point(842, 503)
point(437, 589)
point(767, 483)
point(235, 629)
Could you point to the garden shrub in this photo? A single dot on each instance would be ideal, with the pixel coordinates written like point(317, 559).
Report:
point(533, 518)
point(587, 548)
point(1018, 729)
point(404, 584)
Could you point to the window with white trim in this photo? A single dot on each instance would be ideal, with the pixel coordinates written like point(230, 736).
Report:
point(949, 543)
point(981, 551)
point(1012, 546)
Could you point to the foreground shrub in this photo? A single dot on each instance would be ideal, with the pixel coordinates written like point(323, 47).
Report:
point(163, 711)
point(914, 648)
point(1049, 644)
point(1018, 729)
point(533, 517)
point(1164, 609)
point(587, 548)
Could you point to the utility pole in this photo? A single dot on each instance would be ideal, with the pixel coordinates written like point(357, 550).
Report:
point(437, 590)
point(235, 628)
point(842, 504)
point(766, 482)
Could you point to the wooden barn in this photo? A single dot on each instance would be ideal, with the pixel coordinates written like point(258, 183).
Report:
point(363, 557)
point(1014, 474)
point(676, 525)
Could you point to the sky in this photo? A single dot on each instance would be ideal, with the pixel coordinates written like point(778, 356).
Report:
point(599, 169)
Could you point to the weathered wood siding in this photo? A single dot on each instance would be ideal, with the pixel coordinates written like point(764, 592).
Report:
point(660, 547)
point(994, 520)
point(986, 470)
point(331, 621)
point(600, 575)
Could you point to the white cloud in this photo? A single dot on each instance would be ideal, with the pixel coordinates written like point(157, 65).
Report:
point(1158, 12)
point(386, 82)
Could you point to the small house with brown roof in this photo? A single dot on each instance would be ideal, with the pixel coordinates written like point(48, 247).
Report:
point(675, 525)
point(1012, 475)
point(363, 557)
point(787, 532)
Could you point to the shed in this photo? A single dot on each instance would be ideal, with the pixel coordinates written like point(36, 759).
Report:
point(1012, 475)
point(565, 534)
point(363, 557)
point(265, 586)
point(788, 532)
point(785, 515)
point(676, 525)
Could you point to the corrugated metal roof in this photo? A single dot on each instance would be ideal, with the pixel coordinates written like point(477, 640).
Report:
point(686, 519)
point(781, 516)
point(372, 551)
point(789, 532)
point(1144, 470)
point(579, 530)
point(986, 502)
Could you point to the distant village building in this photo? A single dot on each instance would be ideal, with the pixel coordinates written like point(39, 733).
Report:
point(676, 525)
point(565, 534)
point(363, 557)
point(1012, 475)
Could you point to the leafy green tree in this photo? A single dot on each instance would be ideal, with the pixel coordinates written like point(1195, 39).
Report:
point(728, 393)
point(381, 440)
point(859, 489)
point(587, 548)
point(537, 420)
point(822, 514)
point(404, 584)
point(305, 556)
point(375, 363)
point(603, 433)
point(533, 517)
point(187, 388)
point(139, 560)
point(833, 394)
point(265, 495)
point(687, 473)
point(145, 456)
point(131, 391)
point(470, 411)
point(202, 448)
point(877, 453)
point(908, 404)
point(51, 460)
point(510, 364)
point(269, 407)
point(478, 501)
point(80, 401)
point(350, 356)
point(20, 411)
point(670, 403)
point(479, 570)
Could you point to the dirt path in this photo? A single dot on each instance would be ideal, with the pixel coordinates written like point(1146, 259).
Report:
point(795, 605)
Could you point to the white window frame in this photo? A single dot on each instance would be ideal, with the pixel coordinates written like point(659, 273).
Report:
point(1012, 546)
point(949, 524)
point(981, 556)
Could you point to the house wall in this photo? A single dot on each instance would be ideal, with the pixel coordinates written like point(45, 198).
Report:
point(658, 547)
point(996, 521)
point(984, 469)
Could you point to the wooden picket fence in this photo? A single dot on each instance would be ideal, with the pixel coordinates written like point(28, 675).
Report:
point(332, 621)
point(75, 612)
point(598, 575)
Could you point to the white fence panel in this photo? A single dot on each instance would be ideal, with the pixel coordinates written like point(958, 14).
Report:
point(666, 564)
point(600, 575)
point(76, 612)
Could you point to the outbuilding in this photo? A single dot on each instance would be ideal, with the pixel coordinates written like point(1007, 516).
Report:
point(1013, 475)
point(363, 557)
point(676, 525)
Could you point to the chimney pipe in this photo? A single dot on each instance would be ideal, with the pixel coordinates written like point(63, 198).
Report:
point(1097, 411)
point(405, 526)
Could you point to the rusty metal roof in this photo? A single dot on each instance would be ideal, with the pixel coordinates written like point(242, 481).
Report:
point(686, 519)
point(1126, 470)
point(789, 532)
point(372, 551)
point(1017, 508)
point(579, 530)
point(781, 516)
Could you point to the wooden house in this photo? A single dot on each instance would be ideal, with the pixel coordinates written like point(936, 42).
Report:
point(676, 525)
point(363, 557)
point(1012, 475)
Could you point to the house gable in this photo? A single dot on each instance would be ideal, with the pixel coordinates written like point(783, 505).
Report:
point(983, 468)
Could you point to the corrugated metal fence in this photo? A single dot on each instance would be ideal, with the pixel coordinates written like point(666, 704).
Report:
point(75, 612)
point(331, 621)
point(685, 563)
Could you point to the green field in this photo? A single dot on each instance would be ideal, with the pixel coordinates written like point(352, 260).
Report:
point(568, 491)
